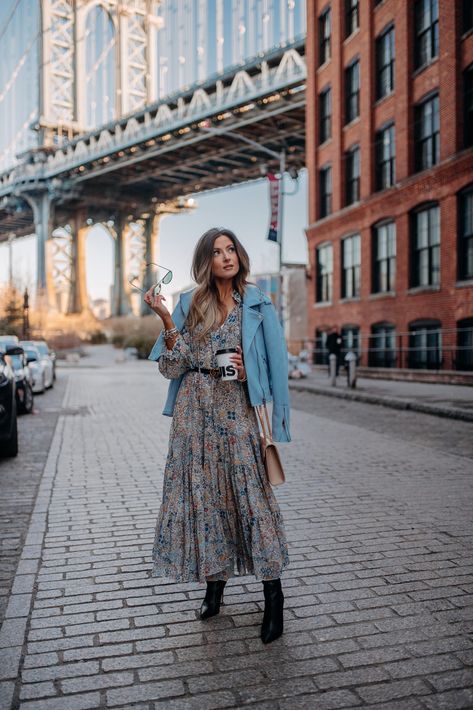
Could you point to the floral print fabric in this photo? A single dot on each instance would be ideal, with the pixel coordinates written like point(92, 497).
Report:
point(219, 516)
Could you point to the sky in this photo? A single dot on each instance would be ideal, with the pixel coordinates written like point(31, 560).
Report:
point(242, 208)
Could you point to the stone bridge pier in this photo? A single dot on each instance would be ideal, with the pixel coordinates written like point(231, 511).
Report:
point(62, 231)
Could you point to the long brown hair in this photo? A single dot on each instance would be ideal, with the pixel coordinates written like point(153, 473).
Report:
point(206, 307)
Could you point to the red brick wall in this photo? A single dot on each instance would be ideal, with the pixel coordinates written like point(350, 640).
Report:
point(452, 301)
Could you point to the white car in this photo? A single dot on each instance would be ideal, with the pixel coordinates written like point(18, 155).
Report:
point(42, 367)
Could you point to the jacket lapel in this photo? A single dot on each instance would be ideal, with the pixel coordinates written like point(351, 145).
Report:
point(251, 318)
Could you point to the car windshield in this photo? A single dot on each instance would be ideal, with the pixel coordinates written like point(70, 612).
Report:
point(31, 353)
point(43, 349)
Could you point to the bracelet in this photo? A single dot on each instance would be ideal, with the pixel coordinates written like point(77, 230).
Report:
point(244, 380)
point(169, 333)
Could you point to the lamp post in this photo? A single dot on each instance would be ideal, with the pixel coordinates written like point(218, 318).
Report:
point(281, 158)
point(26, 322)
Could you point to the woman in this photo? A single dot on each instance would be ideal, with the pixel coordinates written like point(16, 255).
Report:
point(219, 515)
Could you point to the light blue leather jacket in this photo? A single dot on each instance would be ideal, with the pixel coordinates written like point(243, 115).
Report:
point(264, 355)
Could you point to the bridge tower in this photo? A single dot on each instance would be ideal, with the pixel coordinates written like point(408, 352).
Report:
point(95, 67)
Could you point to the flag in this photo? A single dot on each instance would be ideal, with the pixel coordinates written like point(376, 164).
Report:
point(273, 234)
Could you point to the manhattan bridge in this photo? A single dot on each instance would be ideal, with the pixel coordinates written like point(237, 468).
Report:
point(115, 112)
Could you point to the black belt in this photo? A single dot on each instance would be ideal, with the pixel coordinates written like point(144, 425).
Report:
point(213, 371)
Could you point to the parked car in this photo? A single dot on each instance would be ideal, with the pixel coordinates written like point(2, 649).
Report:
point(298, 366)
point(8, 410)
point(46, 359)
point(23, 380)
point(37, 368)
point(44, 349)
point(8, 341)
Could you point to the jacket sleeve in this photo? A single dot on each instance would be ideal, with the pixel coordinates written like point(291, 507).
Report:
point(278, 372)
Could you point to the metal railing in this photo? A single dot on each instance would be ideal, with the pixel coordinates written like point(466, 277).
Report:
point(427, 349)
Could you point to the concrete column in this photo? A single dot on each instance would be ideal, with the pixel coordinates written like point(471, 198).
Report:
point(43, 213)
point(78, 300)
point(150, 272)
point(121, 302)
point(151, 256)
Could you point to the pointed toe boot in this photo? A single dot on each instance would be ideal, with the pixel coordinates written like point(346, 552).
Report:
point(213, 598)
point(273, 621)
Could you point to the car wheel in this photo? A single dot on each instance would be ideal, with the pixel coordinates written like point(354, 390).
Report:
point(11, 447)
point(27, 407)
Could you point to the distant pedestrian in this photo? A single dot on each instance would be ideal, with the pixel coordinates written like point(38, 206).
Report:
point(334, 347)
point(219, 516)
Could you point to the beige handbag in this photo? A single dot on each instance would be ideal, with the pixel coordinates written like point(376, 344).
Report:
point(269, 452)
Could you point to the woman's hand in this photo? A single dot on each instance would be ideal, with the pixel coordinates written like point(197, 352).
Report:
point(237, 359)
point(156, 304)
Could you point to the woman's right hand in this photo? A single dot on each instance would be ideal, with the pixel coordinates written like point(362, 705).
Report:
point(156, 303)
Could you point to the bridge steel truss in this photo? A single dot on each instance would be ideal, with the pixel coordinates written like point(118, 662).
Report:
point(127, 171)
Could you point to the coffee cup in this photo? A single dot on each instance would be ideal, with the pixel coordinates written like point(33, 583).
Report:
point(227, 367)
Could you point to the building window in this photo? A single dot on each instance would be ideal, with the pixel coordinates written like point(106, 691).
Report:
point(352, 91)
point(465, 234)
point(464, 359)
point(352, 16)
point(350, 339)
point(385, 158)
point(468, 103)
point(467, 19)
point(351, 266)
point(320, 357)
point(426, 247)
point(425, 345)
point(384, 257)
point(382, 352)
point(352, 175)
point(324, 276)
point(325, 31)
point(325, 177)
point(427, 133)
point(325, 115)
point(385, 63)
point(426, 20)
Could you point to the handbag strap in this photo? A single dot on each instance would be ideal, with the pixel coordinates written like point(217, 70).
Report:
point(264, 423)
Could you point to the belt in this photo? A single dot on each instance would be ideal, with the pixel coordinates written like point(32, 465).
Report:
point(213, 371)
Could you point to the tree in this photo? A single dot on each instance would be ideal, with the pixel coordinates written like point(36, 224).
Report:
point(11, 320)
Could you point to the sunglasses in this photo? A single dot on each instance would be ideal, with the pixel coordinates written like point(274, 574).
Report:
point(135, 281)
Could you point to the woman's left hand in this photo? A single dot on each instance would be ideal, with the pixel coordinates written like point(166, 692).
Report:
point(237, 359)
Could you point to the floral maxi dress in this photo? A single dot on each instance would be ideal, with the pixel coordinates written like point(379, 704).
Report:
point(219, 516)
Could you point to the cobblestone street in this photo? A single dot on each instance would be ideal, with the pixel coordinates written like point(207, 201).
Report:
point(379, 592)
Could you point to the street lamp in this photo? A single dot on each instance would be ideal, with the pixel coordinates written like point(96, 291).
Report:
point(281, 157)
point(26, 322)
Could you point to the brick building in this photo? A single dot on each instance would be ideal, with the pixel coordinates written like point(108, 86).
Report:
point(390, 160)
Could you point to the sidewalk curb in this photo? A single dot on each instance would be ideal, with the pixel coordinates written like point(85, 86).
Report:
point(14, 630)
point(391, 402)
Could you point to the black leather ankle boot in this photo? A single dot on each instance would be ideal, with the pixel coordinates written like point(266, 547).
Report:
point(213, 598)
point(272, 626)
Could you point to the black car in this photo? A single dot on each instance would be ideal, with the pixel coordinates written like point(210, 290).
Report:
point(24, 381)
point(8, 423)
